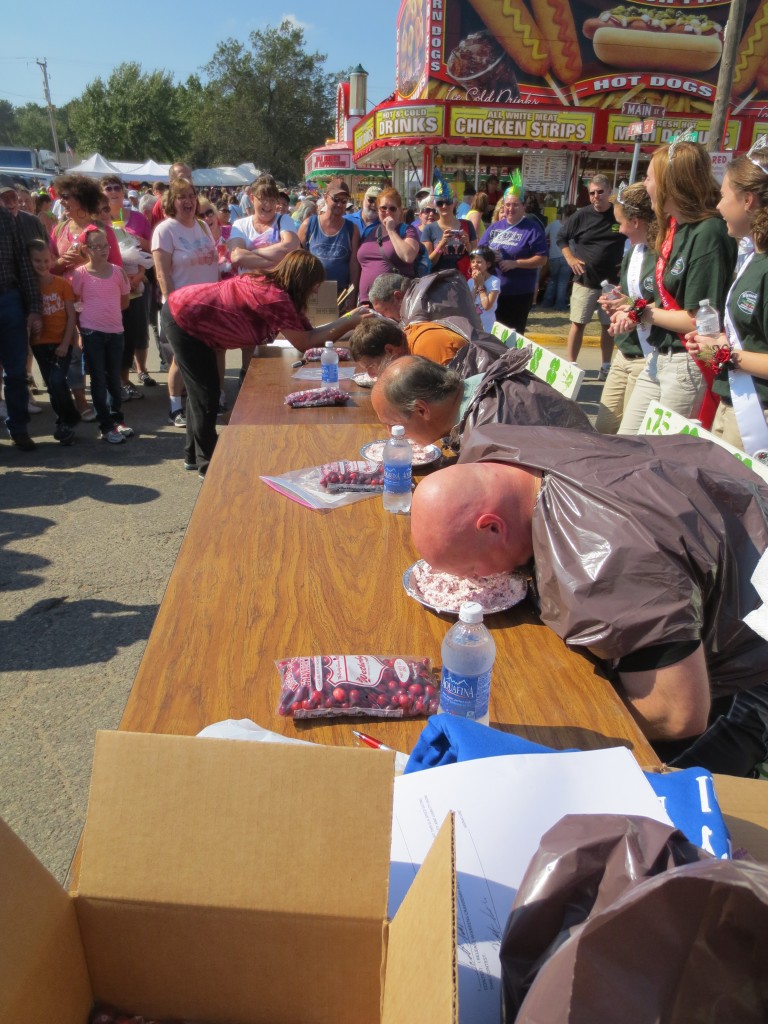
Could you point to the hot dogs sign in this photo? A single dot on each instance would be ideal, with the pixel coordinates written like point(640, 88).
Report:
point(585, 53)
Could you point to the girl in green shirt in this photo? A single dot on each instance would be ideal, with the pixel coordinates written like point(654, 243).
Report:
point(740, 353)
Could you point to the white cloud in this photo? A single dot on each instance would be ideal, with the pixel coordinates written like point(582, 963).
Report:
point(296, 22)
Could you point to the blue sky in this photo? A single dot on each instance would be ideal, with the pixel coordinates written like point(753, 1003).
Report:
point(86, 43)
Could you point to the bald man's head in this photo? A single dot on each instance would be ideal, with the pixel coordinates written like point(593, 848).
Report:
point(475, 519)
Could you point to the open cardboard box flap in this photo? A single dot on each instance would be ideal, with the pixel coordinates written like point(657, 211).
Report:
point(227, 882)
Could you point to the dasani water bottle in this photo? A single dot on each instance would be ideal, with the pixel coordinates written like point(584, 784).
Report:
point(468, 654)
point(398, 459)
point(329, 363)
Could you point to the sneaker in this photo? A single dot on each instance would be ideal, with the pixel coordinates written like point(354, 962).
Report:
point(24, 442)
point(129, 392)
point(64, 435)
point(603, 374)
point(33, 408)
point(113, 436)
point(177, 419)
point(89, 416)
point(191, 467)
point(147, 381)
point(124, 429)
point(32, 385)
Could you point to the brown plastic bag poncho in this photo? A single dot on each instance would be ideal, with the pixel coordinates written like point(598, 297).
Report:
point(621, 919)
point(445, 298)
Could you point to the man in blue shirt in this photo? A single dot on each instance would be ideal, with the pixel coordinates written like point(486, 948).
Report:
point(366, 218)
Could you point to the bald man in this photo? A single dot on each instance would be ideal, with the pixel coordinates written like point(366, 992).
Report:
point(433, 401)
point(642, 550)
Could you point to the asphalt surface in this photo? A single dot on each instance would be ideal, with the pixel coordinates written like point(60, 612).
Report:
point(88, 538)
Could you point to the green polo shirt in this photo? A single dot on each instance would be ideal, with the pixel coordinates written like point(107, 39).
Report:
point(749, 311)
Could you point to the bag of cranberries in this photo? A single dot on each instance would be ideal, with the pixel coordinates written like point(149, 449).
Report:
point(357, 684)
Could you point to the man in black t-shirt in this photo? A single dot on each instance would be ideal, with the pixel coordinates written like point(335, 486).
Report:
point(593, 247)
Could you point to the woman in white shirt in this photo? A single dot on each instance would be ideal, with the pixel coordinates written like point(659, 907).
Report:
point(259, 242)
point(184, 252)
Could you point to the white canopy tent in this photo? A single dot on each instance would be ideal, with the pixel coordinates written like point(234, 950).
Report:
point(234, 177)
point(94, 167)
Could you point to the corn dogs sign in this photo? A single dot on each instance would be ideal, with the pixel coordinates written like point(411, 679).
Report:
point(583, 53)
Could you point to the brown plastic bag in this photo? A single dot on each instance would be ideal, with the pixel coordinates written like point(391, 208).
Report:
point(621, 918)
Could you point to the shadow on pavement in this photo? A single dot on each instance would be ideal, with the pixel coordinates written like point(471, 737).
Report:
point(17, 568)
point(59, 633)
point(47, 486)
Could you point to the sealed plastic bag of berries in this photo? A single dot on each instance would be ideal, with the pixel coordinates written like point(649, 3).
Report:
point(382, 686)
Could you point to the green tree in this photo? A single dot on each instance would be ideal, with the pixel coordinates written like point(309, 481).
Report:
point(7, 123)
point(269, 102)
point(131, 116)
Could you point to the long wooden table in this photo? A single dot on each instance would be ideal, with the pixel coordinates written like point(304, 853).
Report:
point(259, 577)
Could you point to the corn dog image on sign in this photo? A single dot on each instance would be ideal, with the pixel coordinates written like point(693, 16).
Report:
point(585, 53)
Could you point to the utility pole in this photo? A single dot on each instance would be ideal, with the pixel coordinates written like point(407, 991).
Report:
point(43, 65)
point(715, 142)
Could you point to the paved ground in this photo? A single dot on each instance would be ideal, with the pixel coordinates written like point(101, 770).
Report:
point(88, 538)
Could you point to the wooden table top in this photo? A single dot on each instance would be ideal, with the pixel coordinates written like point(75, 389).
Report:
point(261, 398)
point(260, 577)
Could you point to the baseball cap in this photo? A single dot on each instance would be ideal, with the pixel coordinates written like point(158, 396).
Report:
point(6, 188)
point(336, 185)
point(133, 194)
point(373, 192)
point(423, 192)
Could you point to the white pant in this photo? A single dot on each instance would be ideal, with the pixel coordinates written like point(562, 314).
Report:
point(673, 380)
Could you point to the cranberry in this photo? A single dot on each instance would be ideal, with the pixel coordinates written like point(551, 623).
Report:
point(430, 690)
point(416, 689)
point(339, 694)
point(393, 685)
point(382, 700)
point(354, 696)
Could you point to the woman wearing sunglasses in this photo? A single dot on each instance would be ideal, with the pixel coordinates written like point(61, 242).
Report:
point(448, 239)
point(392, 248)
point(696, 259)
point(742, 360)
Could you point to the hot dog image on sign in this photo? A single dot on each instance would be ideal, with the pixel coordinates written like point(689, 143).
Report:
point(657, 53)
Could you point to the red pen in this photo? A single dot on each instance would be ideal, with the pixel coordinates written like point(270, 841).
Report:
point(369, 741)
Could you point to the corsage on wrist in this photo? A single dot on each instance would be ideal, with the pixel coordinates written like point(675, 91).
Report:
point(636, 310)
point(722, 358)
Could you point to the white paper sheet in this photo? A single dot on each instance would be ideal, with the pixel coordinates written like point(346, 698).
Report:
point(316, 373)
point(503, 806)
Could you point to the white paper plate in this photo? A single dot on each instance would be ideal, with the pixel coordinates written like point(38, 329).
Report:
point(363, 380)
point(422, 455)
point(519, 591)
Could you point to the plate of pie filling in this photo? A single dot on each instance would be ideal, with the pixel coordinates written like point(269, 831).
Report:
point(443, 592)
point(422, 454)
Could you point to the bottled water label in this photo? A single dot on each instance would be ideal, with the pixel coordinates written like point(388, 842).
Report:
point(330, 375)
point(397, 477)
point(465, 696)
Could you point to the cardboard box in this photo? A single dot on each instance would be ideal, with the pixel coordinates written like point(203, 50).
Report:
point(230, 882)
point(322, 308)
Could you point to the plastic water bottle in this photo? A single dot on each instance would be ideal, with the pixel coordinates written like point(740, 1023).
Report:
point(609, 289)
point(468, 653)
point(398, 459)
point(707, 320)
point(329, 363)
